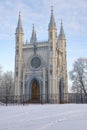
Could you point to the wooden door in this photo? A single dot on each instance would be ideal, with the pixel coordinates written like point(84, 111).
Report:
point(35, 90)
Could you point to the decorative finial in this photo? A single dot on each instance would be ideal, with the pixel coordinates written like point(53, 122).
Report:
point(19, 13)
point(61, 21)
point(51, 8)
point(33, 26)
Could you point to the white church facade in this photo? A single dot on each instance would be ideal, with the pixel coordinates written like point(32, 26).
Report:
point(41, 67)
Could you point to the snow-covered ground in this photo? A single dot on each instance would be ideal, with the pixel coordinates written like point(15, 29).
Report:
point(44, 117)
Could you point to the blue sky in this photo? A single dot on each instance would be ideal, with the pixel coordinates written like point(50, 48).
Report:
point(73, 13)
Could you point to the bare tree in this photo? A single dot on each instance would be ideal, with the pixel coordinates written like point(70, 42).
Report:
point(0, 69)
point(79, 76)
point(0, 77)
point(8, 83)
point(0, 72)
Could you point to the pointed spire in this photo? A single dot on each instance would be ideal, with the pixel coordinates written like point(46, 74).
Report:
point(62, 34)
point(19, 28)
point(33, 37)
point(52, 23)
point(62, 30)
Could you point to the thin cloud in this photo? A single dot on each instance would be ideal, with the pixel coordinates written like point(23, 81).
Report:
point(69, 11)
point(73, 13)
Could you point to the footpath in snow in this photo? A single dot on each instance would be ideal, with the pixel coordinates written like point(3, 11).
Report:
point(44, 117)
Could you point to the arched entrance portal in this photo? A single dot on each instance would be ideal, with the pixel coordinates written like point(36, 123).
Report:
point(35, 89)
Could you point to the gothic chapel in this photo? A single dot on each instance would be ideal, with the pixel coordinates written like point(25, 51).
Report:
point(41, 67)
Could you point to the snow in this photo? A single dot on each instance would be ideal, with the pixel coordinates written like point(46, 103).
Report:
point(44, 117)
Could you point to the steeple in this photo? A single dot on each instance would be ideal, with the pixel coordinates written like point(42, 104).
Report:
point(52, 23)
point(33, 36)
point(19, 28)
point(61, 34)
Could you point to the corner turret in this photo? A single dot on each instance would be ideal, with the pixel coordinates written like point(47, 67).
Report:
point(19, 41)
